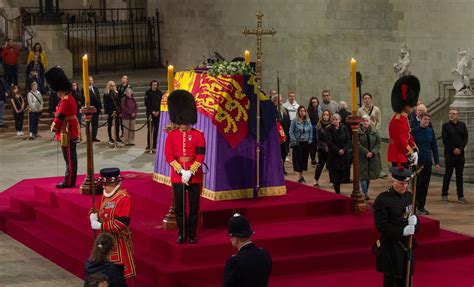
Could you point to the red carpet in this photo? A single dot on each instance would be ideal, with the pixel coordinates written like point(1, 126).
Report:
point(312, 235)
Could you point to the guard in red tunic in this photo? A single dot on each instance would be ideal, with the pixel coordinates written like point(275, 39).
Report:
point(184, 151)
point(402, 149)
point(113, 216)
point(65, 124)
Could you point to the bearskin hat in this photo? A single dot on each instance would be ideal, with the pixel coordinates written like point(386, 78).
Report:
point(405, 92)
point(182, 107)
point(57, 80)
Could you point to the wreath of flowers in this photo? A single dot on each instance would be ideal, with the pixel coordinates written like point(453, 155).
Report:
point(225, 68)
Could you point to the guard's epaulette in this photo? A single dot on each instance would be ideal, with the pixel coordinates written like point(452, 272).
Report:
point(65, 97)
point(171, 127)
point(399, 115)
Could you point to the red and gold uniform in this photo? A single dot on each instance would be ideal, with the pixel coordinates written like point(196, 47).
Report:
point(114, 214)
point(401, 145)
point(184, 151)
point(66, 128)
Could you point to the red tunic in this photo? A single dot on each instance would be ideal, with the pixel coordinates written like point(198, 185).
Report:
point(114, 213)
point(185, 150)
point(65, 119)
point(401, 143)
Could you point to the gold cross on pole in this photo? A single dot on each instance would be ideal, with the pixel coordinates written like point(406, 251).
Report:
point(259, 32)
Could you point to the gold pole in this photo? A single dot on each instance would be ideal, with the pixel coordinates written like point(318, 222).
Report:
point(150, 133)
point(259, 32)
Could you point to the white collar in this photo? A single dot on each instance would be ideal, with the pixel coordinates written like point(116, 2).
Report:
point(107, 195)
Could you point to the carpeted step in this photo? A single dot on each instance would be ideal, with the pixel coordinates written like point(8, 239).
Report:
point(61, 250)
point(427, 273)
point(309, 235)
point(154, 198)
point(304, 242)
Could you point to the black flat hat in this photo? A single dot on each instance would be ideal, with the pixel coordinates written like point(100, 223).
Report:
point(401, 173)
point(110, 174)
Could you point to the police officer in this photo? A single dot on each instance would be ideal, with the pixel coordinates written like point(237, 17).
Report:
point(395, 220)
point(251, 266)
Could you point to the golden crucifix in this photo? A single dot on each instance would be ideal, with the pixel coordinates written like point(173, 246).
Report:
point(259, 32)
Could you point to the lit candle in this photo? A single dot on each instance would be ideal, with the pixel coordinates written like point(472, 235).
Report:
point(85, 80)
point(247, 56)
point(353, 86)
point(170, 79)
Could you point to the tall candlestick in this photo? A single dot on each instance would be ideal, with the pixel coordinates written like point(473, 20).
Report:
point(353, 86)
point(170, 79)
point(247, 56)
point(85, 80)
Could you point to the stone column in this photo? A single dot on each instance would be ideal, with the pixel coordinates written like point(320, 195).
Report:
point(465, 105)
point(54, 41)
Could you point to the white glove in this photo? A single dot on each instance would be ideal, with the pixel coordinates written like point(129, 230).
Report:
point(96, 225)
point(412, 220)
point(93, 217)
point(185, 176)
point(409, 230)
point(414, 158)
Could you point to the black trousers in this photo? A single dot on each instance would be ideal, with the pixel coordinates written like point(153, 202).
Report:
point(156, 123)
point(389, 281)
point(110, 122)
point(191, 220)
point(70, 157)
point(422, 184)
point(284, 149)
point(312, 150)
point(300, 154)
point(323, 158)
point(95, 124)
point(453, 163)
point(18, 121)
point(337, 177)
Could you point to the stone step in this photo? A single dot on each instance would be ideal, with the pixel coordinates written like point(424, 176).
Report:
point(139, 94)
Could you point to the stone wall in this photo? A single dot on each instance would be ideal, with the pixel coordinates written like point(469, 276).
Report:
point(316, 39)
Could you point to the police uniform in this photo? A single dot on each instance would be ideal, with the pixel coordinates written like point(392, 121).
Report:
point(401, 147)
point(114, 217)
point(391, 213)
point(184, 152)
point(65, 124)
point(251, 266)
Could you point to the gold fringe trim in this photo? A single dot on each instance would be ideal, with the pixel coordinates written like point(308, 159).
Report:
point(229, 194)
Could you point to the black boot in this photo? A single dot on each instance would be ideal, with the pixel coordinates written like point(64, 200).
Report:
point(62, 185)
point(192, 239)
point(180, 239)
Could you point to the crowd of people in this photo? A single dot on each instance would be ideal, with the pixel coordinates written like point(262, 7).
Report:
point(320, 135)
point(117, 102)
